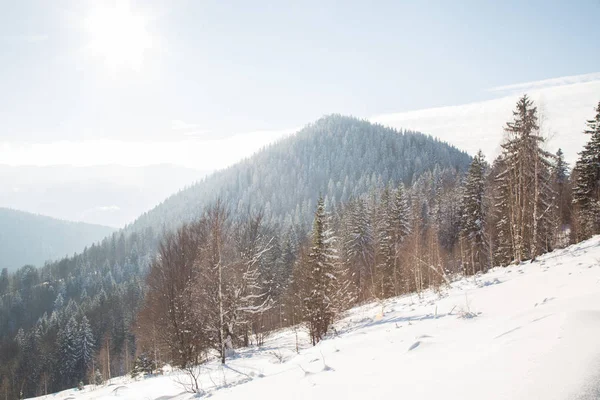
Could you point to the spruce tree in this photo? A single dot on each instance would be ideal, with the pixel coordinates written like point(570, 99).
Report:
point(526, 193)
point(68, 352)
point(562, 209)
point(385, 245)
point(473, 217)
point(401, 225)
point(4, 281)
point(359, 246)
point(322, 284)
point(586, 190)
point(85, 346)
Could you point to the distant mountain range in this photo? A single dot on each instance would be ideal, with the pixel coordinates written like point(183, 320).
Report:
point(110, 195)
point(33, 239)
point(339, 157)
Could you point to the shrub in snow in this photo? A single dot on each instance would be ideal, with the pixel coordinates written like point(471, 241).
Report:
point(143, 365)
point(97, 379)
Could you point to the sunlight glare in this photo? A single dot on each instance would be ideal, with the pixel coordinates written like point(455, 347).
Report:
point(118, 36)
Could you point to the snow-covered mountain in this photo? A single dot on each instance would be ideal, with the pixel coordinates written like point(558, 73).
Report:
point(564, 104)
point(522, 332)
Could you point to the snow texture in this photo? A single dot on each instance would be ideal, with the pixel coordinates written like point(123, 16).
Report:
point(564, 106)
point(532, 333)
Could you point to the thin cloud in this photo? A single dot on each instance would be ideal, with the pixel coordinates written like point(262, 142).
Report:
point(566, 80)
point(188, 129)
point(197, 133)
point(108, 208)
point(204, 154)
point(100, 209)
point(33, 38)
point(179, 125)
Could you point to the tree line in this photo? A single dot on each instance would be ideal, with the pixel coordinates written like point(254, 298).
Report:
point(227, 279)
point(390, 242)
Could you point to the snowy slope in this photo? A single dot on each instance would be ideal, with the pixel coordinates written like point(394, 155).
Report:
point(564, 104)
point(523, 332)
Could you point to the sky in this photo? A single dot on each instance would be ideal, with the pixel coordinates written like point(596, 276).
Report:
point(203, 83)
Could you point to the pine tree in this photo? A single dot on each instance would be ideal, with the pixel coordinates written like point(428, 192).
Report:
point(473, 217)
point(359, 247)
point(85, 346)
point(385, 245)
point(68, 352)
point(401, 227)
point(143, 365)
point(561, 219)
point(526, 194)
point(4, 281)
point(322, 285)
point(401, 213)
point(586, 190)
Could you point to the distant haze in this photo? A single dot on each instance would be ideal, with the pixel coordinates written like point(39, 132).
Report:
point(115, 195)
point(106, 195)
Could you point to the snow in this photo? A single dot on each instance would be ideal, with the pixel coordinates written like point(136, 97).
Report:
point(564, 105)
point(522, 332)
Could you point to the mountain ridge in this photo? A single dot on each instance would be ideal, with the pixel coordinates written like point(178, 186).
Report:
point(404, 155)
point(35, 238)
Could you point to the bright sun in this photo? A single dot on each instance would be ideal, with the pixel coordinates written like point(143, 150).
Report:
point(118, 36)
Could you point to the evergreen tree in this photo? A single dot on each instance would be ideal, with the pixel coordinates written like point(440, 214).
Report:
point(586, 190)
point(321, 289)
point(401, 228)
point(68, 352)
point(85, 346)
point(143, 365)
point(359, 246)
point(473, 217)
point(59, 302)
point(526, 194)
point(385, 246)
point(401, 213)
point(562, 210)
point(4, 281)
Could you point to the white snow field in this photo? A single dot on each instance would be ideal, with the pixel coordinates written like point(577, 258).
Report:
point(530, 331)
point(564, 104)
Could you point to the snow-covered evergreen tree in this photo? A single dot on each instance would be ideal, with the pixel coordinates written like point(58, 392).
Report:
point(526, 194)
point(85, 346)
point(586, 187)
point(322, 286)
point(68, 352)
point(561, 183)
point(473, 217)
point(359, 242)
point(385, 245)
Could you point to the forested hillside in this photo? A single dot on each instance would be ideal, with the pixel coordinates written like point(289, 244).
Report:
point(83, 310)
point(220, 265)
point(34, 239)
point(339, 157)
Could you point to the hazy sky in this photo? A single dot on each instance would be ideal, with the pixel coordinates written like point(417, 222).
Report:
point(94, 79)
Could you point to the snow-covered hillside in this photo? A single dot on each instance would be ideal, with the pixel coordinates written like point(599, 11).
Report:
point(523, 332)
point(564, 104)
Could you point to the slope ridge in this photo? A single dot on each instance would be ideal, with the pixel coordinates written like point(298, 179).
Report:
point(337, 156)
point(520, 332)
point(27, 238)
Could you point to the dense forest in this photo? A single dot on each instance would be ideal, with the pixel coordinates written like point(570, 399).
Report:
point(33, 239)
point(344, 212)
point(339, 157)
